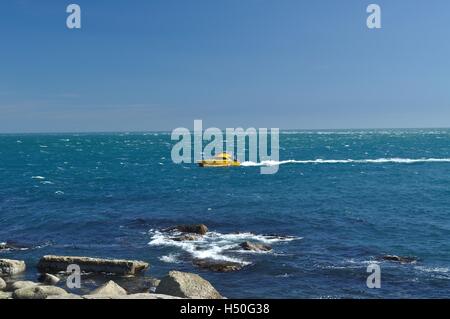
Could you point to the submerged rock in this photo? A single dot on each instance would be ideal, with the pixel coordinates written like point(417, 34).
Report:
point(187, 285)
point(255, 246)
point(217, 265)
point(400, 259)
point(11, 245)
point(38, 292)
point(188, 237)
point(48, 279)
point(54, 264)
point(110, 289)
point(9, 267)
point(200, 229)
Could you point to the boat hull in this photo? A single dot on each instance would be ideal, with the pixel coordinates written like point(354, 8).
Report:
point(216, 163)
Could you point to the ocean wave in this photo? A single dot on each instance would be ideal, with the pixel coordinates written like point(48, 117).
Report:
point(214, 245)
point(170, 258)
point(350, 161)
point(440, 270)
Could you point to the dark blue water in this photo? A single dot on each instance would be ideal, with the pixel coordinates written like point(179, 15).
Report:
point(108, 195)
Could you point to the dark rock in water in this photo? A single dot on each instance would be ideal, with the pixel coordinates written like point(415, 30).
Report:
point(400, 259)
point(9, 245)
point(194, 229)
point(255, 246)
point(13, 245)
point(280, 237)
point(188, 237)
point(54, 264)
point(187, 285)
point(217, 265)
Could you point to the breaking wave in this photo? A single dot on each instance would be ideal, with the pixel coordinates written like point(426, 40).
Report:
point(213, 245)
point(170, 258)
point(351, 161)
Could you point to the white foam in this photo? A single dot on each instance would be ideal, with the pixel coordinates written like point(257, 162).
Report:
point(171, 259)
point(350, 161)
point(213, 245)
point(38, 177)
point(441, 270)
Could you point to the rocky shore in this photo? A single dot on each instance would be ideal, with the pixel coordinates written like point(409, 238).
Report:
point(130, 281)
point(174, 285)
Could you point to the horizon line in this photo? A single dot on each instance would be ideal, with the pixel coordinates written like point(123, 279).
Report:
point(168, 131)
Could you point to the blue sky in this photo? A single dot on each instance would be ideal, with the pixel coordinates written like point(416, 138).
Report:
point(157, 65)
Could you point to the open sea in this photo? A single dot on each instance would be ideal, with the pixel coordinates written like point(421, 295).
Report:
point(340, 200)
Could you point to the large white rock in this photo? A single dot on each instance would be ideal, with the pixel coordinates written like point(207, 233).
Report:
point(10, 267)
point(38, 292)
point(21, 284)
point(5, 295)
point(187, 285)
point(109, 289)
point(48, 279)
point(2, 284)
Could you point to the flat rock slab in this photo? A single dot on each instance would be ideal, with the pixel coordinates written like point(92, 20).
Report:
point(9, 267)
point(217, 265)
point(54, 264)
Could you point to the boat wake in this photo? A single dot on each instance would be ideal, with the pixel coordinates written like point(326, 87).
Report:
point(350, 161)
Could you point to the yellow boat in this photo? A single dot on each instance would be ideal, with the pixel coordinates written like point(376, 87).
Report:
point(220, 160)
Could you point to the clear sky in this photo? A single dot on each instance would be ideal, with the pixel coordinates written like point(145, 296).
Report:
point(145, 65)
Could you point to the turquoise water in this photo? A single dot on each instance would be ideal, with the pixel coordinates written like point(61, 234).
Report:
point(347, 198)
